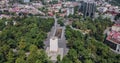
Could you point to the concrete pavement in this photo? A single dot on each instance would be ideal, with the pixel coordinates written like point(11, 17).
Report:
point(61, 41)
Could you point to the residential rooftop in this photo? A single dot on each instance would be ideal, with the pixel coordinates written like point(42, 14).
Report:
point(114, 35)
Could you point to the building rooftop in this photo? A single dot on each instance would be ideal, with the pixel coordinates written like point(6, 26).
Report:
point(114, 37)
point(89, 1)
point(117, 25)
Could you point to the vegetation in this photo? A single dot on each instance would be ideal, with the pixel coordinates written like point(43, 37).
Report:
point(89, 48)
point(94, 27)
point(60, 21)
point(23, 42)
point(86, 49)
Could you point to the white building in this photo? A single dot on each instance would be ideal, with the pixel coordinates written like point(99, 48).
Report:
point(116, 28)
point(54, 44)
point(102, 9)
point(70, 11)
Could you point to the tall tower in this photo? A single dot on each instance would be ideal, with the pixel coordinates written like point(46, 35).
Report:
point(54, 44)
point(88, 8)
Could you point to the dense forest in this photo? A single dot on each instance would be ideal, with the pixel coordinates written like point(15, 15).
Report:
point(89, 48)
point(21, 39)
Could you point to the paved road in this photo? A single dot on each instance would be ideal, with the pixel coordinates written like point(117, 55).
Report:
point(50, 34)
point(62, 42)
point(45, 16)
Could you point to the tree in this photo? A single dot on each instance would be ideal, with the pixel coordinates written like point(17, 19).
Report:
point(58, 59)
point(22, 44)
point(10, 57)
point(66, 60)
point(26, 37)
point(5, 49)
point(2, 57)
point(88, 61)
point(33, 54)
point(60, 22)
point(86, 48)
point(20, 60)
point(72, 54)
point(38, 61)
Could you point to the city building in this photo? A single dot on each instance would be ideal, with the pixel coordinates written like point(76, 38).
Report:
point(26, 1)
point(51, 1)
point(70, 10)
point(102, 9)
point(113, 38)
point(88, 8)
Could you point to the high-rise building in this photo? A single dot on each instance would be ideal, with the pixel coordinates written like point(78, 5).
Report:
point(26, 1)
point(88, 8)
point(21, 1)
